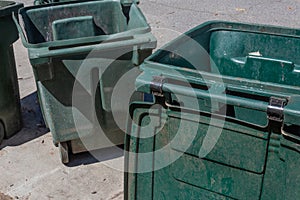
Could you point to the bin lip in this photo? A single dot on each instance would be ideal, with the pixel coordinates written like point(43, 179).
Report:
point(124, 2)
point(153, 66)
point(89, 40)
point(8, 7)
point(24, 9)
point(217, 25)
point(79, 41)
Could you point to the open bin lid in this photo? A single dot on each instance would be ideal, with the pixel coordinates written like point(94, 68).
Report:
point(8, 7)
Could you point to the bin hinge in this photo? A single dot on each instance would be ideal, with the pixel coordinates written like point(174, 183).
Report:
point(156, 85)
point(275, 109)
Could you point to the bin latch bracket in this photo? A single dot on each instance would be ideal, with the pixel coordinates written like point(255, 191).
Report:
point(156, 85)
point(275, 109)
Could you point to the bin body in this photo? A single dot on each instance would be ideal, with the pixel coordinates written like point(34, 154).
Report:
point(95, 39)
point(10, 112)
point(224, 122)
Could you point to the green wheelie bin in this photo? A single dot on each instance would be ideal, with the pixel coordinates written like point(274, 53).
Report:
point(78, 51)
point(224, 122)
point(10, 112)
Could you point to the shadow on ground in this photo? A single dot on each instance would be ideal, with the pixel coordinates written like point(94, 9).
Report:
point(33, 123)
point(34, 127)
point(96, 156)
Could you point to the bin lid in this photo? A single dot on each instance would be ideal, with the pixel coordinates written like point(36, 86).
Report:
point(8, 7)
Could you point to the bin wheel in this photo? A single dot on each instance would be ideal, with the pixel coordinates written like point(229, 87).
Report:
point(2, 132)
point(64, 152)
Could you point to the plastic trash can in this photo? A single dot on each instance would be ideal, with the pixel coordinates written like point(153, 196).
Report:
point(176, 150)
point(60, 39)
point(10, 112)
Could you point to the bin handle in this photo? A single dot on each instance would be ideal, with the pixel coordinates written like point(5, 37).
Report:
point(97, 47)
point(229, 99)
point(225, 98)
point(103, 38)
point(289, 108)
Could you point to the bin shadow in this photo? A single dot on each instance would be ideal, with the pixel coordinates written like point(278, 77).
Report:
point(33, 123)
point(96, 156)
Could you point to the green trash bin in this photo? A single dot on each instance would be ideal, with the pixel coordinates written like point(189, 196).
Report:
point(225, 118)
point(71, 38)
point(10, 112)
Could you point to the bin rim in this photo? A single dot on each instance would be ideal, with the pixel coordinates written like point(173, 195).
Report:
point(193, 77)
point(231, 26)
point(79, 41)
point(124, 2)
point(9, 7)
point(100, 38)
point(153, 66)
point(215, 25)
point(135, 36)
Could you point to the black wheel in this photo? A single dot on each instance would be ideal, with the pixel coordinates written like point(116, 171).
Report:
point(2, 132)
point(64, 152)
